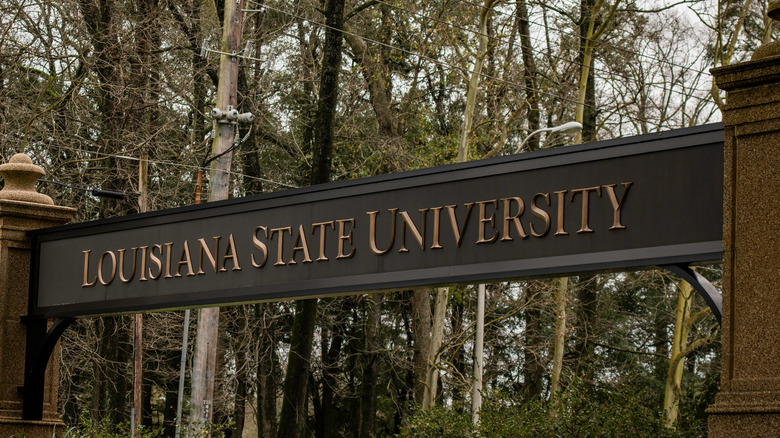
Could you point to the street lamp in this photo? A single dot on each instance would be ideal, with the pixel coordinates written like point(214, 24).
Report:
point(568, 128)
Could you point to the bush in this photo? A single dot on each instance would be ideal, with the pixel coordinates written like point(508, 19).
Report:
point(105, 429)
point(578, 412)
point(87, 428)
point(439, 422)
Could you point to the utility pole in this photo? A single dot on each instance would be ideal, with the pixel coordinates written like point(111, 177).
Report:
point(226, 120)
point(137, 413)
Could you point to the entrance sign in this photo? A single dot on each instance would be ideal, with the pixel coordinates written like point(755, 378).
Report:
point(624, 203)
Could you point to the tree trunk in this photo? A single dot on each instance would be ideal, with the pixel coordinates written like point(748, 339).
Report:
point(171, 391)
point(585, 329)
point(329, 92)
point(677, 361)
point(267, 369)
point(421, 329)
point(374, 74)
point(661, 344)
point(325, 416)
point(560, 335)
point(474, 81)
point(533, 369)
point(306, 311)
point(529, 72)
point(457, 316)
point(373, 326)
point(593, 22)
point(294, 399)
point(249, 101)
point(437, 330)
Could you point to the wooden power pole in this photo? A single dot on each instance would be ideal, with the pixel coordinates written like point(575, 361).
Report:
point(139, 319)
point(226, 120)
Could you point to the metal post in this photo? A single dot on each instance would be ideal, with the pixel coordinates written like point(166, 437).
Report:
point(182, 370)
point(476, 400)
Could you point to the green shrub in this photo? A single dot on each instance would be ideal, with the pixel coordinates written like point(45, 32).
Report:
point(578, 412)
point(439, 422)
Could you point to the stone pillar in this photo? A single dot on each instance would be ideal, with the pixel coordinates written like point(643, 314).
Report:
point(22, 209)
point(749, 400)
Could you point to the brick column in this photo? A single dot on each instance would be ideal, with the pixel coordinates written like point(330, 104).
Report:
point(748, 404)
point(22, 209)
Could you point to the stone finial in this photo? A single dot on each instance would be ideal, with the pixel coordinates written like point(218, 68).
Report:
point(773, 48)
point(20, 175)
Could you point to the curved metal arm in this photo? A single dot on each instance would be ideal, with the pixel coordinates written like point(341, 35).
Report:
point(568, 128)
point(40, 345)
point(710, 293)
point(525, 140)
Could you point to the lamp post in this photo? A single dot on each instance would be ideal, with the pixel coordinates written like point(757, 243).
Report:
point(568, 128)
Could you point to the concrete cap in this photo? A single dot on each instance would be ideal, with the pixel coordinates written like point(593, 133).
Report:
point(20, 175)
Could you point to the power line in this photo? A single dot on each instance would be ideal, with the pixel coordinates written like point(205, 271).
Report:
point(537, 40)
point(463, 69)
point(175, 164)
point(409, 52)
point(601, 42)
point(95, 192)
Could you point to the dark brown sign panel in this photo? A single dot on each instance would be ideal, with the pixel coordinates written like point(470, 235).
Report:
point(624, 203)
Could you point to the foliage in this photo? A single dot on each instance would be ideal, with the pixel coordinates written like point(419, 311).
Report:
point(89, 88)
point(439, 422)
point(105, 428)
point(602, 412)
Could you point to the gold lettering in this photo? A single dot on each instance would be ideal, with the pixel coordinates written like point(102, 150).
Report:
point(168, 246)
point(345, 237)
point(184, 259)
point(458, 231)
point(156, 260)
point(436, 226)
point(144, 250)
point(261, 246)
point(212, 256)
point(122, 265)
point(230, 253)
point(516, 218)
point(372, 232)
point(87, 283)
point(321, 226)
point(584, 228)
point(541, 214)
point(407, 221)
point(279, 261)
point(561, 198)
point(100, 268)
point(617, 205)
point(300, 245)
point(485, 220)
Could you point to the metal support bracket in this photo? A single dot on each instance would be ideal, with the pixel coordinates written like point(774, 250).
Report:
point(707, 290)
point(39, 346)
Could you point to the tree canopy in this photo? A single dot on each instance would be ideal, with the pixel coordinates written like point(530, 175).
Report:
point(343, 89)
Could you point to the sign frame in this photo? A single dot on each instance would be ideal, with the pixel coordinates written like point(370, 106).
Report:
point(706, 136)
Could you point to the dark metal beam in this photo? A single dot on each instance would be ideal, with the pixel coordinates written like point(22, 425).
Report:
point(40, 345)
point(710, 293)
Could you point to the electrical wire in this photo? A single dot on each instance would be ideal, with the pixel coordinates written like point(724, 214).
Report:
point(463, 70)
point(560, 57)
point(502, 40)
point(538, 40)
point(174, 164)
point(466, 70)
point(600, 42)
